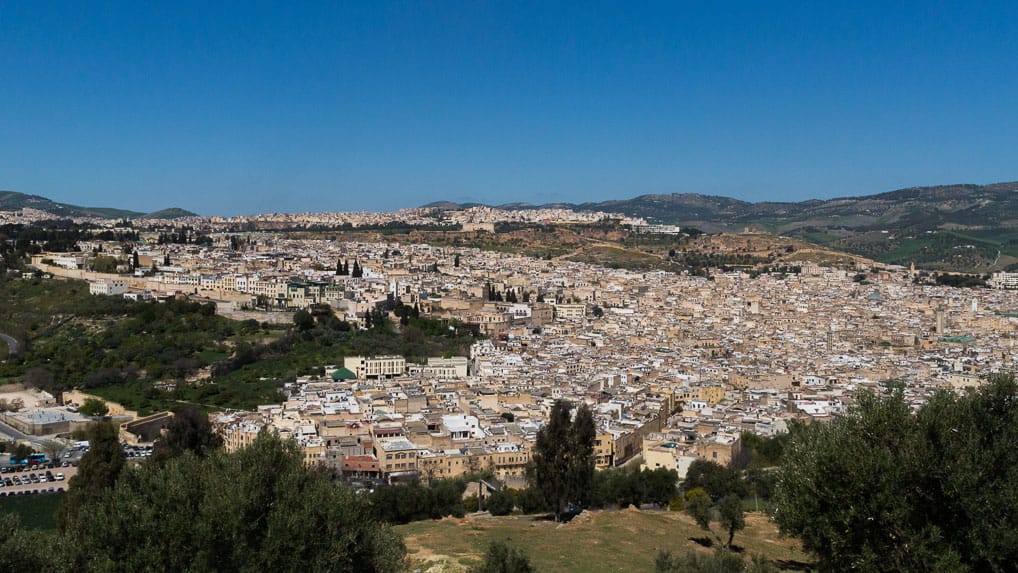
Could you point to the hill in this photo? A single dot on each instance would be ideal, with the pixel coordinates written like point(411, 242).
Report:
point(626, 540)
point(14, 201)
point(970, 228)
point(171, 213)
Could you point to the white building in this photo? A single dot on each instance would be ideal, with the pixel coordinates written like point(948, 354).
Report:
point(1004, 281)
point(107, 287)
point(453, 367)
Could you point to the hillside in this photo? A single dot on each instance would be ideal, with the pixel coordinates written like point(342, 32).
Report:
point(13, 201)
point(171, 213)
point(950, 227)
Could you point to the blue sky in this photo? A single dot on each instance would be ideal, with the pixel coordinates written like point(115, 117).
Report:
point(256, 106)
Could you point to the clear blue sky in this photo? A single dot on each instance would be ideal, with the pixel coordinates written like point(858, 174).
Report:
point(260, 106)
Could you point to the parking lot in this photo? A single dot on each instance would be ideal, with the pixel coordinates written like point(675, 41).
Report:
point(53, 477)
point(44, 481)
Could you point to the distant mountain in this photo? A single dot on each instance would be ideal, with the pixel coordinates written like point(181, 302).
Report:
point(949, 227)
point(13, 201)
point(450, 206)
point(171, 213)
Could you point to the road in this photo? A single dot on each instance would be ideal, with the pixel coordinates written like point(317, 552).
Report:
point(12, 343)
point(13, 434)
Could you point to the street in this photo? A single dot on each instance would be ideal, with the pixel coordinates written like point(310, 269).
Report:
point(12, 343)
point(13, 434)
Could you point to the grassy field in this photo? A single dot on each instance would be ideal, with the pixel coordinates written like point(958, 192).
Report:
point(34, 511)
point(620, 257)
point(627, 540)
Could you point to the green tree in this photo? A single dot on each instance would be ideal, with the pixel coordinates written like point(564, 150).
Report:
point(104, 264)
point(728, 511)
point(659, 485)
point(258, 509)
point(303, 320)
point(98, 472)
point(403, 503)
point(883, 488)
point(188, 431)
point(94, 407)
point(53, 448)
point(731, 518)
point(501, 502)
point(716, 479)
point(23, 549)
point(501, 557)
point(582, 433)
point(563, 466)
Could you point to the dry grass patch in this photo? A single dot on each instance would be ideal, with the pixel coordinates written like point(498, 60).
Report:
point(625, 540)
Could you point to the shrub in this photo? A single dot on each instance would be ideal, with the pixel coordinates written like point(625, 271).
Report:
point(501, 502)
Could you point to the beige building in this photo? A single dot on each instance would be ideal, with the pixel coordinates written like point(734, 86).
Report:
point(237, 430)
point(570, 311)
point(375, 366)
point(604, 450)
point(397, 458)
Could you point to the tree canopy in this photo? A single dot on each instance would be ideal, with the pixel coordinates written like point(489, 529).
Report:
point(98, 471)
point(188, 431)
point(884, 489)
point(728, 513)
point(258, 509)
point(563, 467)
point(93, 407)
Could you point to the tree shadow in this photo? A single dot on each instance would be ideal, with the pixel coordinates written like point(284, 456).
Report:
point(703, 541)
point(793, 565)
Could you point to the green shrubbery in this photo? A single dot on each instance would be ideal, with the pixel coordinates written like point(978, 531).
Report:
point(884, 488)
point(118, 348)
point(258, 509)
point(404, 503)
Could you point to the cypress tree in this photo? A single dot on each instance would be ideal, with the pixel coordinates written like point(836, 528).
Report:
point(563, 466)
